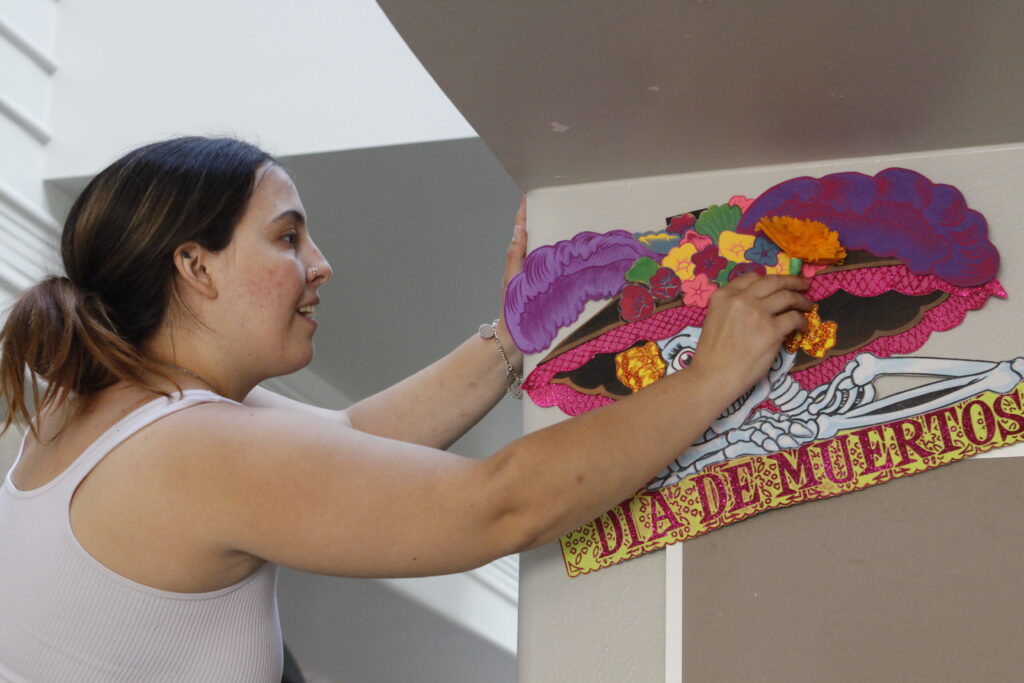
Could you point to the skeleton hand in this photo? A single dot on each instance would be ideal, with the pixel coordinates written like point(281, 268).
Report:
point(850, 388)
point(770, 434)
point(1010, 373)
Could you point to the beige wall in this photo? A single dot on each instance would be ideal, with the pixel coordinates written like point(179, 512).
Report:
point(609, 626)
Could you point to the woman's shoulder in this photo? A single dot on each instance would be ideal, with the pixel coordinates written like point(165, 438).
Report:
point(221, 433)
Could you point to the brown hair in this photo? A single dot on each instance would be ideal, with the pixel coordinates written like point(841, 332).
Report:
point(83, 332)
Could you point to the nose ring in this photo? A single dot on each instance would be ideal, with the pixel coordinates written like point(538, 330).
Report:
point(314, 271)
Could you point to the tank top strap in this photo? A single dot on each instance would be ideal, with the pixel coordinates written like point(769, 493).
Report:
point(129, 425)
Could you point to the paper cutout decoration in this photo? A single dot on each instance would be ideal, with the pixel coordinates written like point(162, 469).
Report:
point(736, 489)
point(915, 260)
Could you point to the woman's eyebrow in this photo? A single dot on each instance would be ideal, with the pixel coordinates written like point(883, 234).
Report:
point(292, 214)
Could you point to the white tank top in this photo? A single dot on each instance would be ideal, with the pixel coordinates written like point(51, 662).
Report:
point(66, 617)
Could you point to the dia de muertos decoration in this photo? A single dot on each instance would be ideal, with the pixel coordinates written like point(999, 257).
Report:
point(892, 258)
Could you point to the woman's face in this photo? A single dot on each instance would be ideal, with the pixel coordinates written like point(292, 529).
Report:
point(264, 284)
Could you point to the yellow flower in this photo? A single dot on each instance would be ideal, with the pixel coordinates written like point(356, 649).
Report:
point(640, 366)
point(803, 239)
point(780, 268)
point(680, 259)
point(733, 246)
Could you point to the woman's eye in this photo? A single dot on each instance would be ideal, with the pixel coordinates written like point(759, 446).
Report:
point(291, 238)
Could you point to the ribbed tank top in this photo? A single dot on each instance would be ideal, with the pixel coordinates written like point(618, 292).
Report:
point(66, 617)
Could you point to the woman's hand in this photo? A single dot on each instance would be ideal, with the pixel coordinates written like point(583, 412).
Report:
point(746, 324)
point(514, 256)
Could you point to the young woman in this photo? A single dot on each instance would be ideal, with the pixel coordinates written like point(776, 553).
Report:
point(158, 487)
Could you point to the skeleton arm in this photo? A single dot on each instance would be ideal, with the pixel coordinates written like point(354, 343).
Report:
point(964, 379)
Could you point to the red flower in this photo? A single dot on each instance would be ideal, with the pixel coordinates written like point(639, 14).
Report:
point(665, 284)
point(708, 262)
point(635, 303)
point(680, 224)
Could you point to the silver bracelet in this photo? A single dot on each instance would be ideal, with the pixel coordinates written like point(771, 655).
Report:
point(513, 376)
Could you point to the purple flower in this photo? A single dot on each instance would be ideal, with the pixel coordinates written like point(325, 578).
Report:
point(764, 252)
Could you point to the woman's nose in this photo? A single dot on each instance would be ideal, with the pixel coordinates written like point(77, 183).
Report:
point(319, 273)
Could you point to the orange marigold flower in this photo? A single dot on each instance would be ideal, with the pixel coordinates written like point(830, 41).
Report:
point(803, 239)
point(640, 366)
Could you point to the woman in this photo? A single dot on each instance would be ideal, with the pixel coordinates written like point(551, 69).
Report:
point(158, 487)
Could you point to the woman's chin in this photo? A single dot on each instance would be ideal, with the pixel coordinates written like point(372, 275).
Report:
point(286, 364)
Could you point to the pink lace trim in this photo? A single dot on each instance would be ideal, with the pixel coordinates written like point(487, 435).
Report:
point(875, 281)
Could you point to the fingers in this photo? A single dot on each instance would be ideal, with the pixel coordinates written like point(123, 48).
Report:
point(765, 285)
point(780, 296)
point(514, 256)
point(747, 321)
point(790, 322)
point(517, 248)
point(521, 213)
point(516, 252)
point(785, 300)
point(743, 282)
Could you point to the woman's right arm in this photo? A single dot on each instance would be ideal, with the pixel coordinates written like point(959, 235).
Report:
point(318, 496)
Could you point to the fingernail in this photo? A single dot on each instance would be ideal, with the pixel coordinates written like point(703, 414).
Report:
point(517, 234)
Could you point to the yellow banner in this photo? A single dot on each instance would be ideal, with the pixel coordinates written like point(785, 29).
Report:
point(733, 490)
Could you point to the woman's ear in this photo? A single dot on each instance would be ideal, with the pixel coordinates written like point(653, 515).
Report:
point(190, 262)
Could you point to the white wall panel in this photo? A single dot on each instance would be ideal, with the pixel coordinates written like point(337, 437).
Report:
point(24, 81)
point(27, 229)
point(35, 19)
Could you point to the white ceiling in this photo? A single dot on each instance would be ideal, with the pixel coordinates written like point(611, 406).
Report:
point(586, 90)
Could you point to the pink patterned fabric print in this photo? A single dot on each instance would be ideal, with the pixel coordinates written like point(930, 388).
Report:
point(875, 281)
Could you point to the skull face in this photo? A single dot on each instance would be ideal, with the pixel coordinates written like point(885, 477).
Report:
point(678, 352)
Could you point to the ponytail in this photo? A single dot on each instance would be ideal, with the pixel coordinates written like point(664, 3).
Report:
point(61, 335)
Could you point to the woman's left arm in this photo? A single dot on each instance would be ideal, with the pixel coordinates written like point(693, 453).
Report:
point(440, 403)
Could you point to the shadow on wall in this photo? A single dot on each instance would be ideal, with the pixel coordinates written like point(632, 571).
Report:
point(342, 629)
